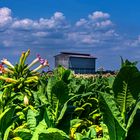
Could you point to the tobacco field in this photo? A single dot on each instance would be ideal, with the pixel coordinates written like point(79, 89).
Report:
point(58, 105)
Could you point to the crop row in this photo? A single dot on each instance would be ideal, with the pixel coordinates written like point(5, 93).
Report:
point(64, 106)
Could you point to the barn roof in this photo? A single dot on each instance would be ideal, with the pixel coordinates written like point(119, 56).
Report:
point(74, 54)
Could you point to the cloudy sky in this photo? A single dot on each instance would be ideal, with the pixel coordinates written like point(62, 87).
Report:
point(106, 29)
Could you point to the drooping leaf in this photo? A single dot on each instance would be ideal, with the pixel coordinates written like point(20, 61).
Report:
point(23, 133)
point(131, 118)
point(126, 88)
point(79, 110)
point(134, 130)
point(112, 117)
point(6, 134)
point(64, 119)
point(62, 113)
point(6, 119)
point(17, 138)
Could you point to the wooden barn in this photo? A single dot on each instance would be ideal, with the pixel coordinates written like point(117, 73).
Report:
point(78, 62)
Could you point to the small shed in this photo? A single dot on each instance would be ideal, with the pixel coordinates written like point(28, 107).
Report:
point(78, 62)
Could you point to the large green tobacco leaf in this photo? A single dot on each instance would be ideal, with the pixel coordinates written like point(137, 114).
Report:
point(63, 74)
point(57, 92)
point(24, 134)
point(63, 121)
point(132, 116)
point(60, 91)
point(40, 127)
point(134, 131)
point(126, 88)
point(67, 75)
point(58, 86)
point(53, 134)
point(6, 119)
point(57, 89)
point(31, 119)
point(112, 117)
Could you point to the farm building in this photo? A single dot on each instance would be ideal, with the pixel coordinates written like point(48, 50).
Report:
point(78, 62)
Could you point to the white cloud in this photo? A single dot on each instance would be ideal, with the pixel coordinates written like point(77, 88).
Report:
point(58, 16)
point(40, 34)
point(95, 21)
point(89, 40)
point(92, 30)
point(56, 21)
point(98, 15)
point(81, 22)
point(23, 24)
point(5, 17)
point(104, 24)
point(135, 43)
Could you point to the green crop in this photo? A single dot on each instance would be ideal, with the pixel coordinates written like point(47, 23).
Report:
point(62, 106)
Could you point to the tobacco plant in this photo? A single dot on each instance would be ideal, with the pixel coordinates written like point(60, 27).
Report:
point(58, 106)
point(119, 109)
point(19, 78)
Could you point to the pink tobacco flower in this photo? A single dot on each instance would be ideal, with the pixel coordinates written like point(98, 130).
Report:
point(43, 63)
point(36, 60)
point(2, 68)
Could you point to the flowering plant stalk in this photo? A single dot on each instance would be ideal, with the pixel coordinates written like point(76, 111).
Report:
point(20, 78)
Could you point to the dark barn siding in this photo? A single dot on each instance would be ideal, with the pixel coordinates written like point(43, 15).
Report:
point(82, 65)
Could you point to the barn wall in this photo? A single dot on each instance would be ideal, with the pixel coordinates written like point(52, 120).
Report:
point(82, 65)
point(61, 60)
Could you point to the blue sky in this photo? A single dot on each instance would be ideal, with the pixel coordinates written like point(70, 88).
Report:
point(106, 29)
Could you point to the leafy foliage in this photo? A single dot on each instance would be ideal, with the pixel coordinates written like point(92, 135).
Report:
point(112, 117)
point(120, 108)
point(60, 106)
